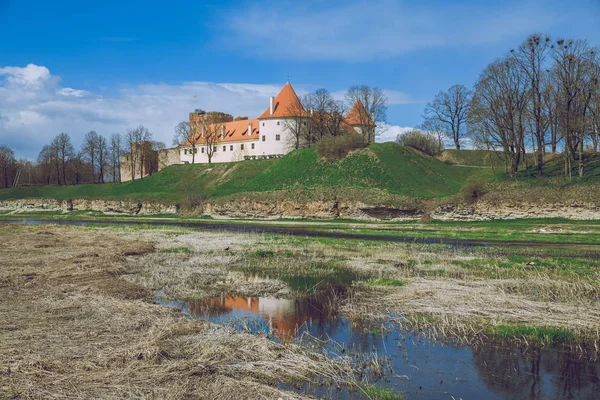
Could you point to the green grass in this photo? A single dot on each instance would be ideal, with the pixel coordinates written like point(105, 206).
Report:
point(385, 282)
point(384, 166)
point(382, 393)
point(534, 333)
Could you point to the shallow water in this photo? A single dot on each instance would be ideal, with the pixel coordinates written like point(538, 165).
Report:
point(422, 368)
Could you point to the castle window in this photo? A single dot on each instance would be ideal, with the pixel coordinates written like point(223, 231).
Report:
point(263, 124)
point(242, 147)
point(252, 146)
point(195, 151)
point(277, 122)
point(277, 137)
point(202, 150)
point(224, 148)
point(264, 138)
point(185, 151)
point(305, 124)
point(215, 149)
point(231, 147)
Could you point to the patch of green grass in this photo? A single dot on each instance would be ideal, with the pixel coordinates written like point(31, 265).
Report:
point(183, 250)
point(386, 282)
point(534, 333)
point(386, 167)
point(382, 393)
point(264, 253)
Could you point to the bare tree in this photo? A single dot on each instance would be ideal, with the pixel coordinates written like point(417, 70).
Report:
point(115, 151)
point(451, 108)
point(373, 113)
point(102, 151)
point(44, 162)
point(7, 164)
point(577, 76)
point(63, 148)
point(531, 58)
point(296, 124)
point(211, 129)
point(185, 135)
point(320, 104)
point(335, 121)
point(89, 148)
point(498, 112)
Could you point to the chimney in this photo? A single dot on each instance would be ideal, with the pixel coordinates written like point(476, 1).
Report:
point(271, 103)
point(223, 132)
point(249, 129)
point(311, 112)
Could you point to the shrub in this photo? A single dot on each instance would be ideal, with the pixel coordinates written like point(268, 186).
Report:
point(337, 147)
point(423, 141)
point(473, 189)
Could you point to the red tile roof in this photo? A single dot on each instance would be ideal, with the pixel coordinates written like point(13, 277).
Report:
point(284, 104)
point(354, 115)
point(234, 131)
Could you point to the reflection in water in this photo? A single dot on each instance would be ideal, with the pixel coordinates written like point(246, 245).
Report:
point(422, 368)
point(281, 317)
point(517, 373)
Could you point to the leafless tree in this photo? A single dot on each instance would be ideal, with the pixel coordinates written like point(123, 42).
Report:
point(373, 113)
point(320, 104)
point(183, 134)
point(452, 109)
point(211, 129)
point(335, 121)
point(115, 151)
point(296, 124)
point(7, 164)
point(498, 111)
point(577, 77)
point(90, 149)
point(63, 149)
point(531, 57)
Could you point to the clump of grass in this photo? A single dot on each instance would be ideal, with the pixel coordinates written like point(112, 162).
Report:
point(382, 393)
point(386, 282)
point(534, 333)
point(183, 250)
point(264, 253)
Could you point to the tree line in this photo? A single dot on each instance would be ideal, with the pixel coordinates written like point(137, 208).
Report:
point(97, 161)
point(541, 97)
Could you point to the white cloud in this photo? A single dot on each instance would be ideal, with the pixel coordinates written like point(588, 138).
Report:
point(390, 132)
point(378, 29)
point(34, 107)
point(72, 92)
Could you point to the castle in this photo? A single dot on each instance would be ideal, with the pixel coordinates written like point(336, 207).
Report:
point(267, 136)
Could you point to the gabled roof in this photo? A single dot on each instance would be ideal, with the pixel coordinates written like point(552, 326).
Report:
point(234, 131)
point(285, 104)
point(356, 112)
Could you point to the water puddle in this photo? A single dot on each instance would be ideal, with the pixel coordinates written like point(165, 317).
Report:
point(422, 368)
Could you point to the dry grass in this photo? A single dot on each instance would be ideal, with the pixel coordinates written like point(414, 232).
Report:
point(70, 326)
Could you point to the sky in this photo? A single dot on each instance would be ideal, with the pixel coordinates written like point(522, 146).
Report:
point(75, 66)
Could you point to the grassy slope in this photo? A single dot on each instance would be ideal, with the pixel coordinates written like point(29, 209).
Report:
point(385, 166)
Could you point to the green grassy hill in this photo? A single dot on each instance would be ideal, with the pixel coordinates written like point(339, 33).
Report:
point(384, 166)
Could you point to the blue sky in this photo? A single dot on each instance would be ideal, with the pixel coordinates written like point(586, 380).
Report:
point(74, 66)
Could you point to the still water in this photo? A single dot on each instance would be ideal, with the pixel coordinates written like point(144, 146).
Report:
point(421, 368)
